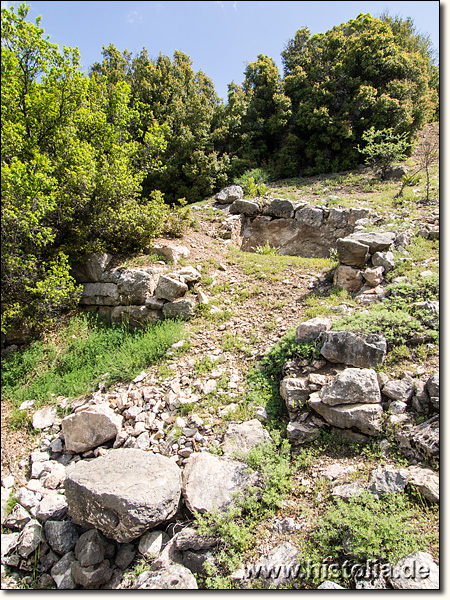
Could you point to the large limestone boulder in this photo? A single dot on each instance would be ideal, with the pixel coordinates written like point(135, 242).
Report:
point(280, 209)
point(364, 417)
point(310, 330)
point(135, 316)
point(377, 242)
point(310, 216)
point(295, 392)
point(183, 308)
point(229, 194)
point(245, 207)
point(210, 482)
point(352, 253)
point(123, 493)
point(173, 577)
point(100, 294)
point(91, 427)
point(244, 436)
point(91, 268)
point(350, 348)
point(352, 386)
point(135, 286)
point(425, 481)
point(172, 252)
point(348, 278)
point(169, 288)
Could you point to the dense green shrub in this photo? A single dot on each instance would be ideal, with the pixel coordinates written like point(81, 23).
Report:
point(71, 173)
point(366, 528)
point(399, 318)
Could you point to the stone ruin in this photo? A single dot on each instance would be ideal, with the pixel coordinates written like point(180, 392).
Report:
point(294, 229)
point(139, 295)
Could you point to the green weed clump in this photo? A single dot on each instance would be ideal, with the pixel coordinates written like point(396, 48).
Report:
point(263, 381)
point(365, 528)
point(400, 318)
point(83, 353)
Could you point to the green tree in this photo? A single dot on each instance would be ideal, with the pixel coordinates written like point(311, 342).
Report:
point(268, 110)
point(170, 94)
point(355, 76)
point(71, 174)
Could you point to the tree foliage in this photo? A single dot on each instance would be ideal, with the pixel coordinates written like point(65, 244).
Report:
point(355, 76)
point(71, 172)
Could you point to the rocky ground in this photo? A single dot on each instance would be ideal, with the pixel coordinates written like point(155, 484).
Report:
point(189, 409)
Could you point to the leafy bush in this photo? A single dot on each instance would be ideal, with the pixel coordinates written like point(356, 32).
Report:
point(365, 528)
point(263, 382)
point(398, 318)
point(383, 148)
point(253, 182)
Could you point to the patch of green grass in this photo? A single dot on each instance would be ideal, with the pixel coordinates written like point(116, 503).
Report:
point(231, 342)
point(321, 305)
point(73, 360)
point(273, 267)
point(204, 365)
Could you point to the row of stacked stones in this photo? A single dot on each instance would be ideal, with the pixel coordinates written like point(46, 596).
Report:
point(295, 229)
point(364, 259)
point(344, 391)
point(139, 295)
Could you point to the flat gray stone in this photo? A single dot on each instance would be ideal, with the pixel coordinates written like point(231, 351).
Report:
point(244, 436)
point(310, 330)
point(399, 389)
point(210, 482)
point(90, 428)
point(100, 294)
point(352, 386)
point(179, 309)
point(356, 350)
point(388, 480)
point(229, 194)
point(169, 288)
point(44, 418)
point(52, 506)
point(124, 493)
point(364, 417)
point(174, 577)
point(245, 207)
point(425, 481)
point(377, 242)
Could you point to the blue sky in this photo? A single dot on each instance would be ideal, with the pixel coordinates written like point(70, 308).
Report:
point(220, 37)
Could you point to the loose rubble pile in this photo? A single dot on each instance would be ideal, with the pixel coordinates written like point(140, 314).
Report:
point(119, 478)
